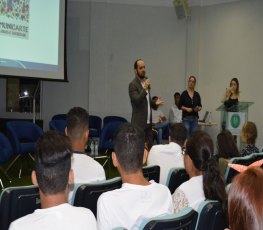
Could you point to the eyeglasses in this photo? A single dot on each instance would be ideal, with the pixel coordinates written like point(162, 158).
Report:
point(183, 150)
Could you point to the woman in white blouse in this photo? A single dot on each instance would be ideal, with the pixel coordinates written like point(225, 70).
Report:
point(205, 179)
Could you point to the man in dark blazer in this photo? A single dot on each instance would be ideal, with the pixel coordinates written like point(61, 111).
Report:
point(139, 92)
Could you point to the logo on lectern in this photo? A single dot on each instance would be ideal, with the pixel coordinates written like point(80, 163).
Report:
point(235, 121)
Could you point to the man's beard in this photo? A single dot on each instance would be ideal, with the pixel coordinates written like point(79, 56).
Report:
point(141, 76)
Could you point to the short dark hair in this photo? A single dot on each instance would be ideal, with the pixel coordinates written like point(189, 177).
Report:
point(77, 122)
point(200, 148)
point(178, 133)
point(129, 147)
point(153, 104)
point(226, 145)
point(135, 66)
point(177, 94)
point(53, 162)
point(245, 200)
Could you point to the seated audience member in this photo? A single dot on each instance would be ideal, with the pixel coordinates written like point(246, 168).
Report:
point(205, 179)
point(85, 168)
point(138, 198)
point(169, 155)
point(53, 174)
point(249, 135)
point(159, 121)
point(245, 200)
point(227, 149)
point(175, 114)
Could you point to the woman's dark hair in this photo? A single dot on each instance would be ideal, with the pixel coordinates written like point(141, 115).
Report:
point(236, 81)
point(200, 149)
point(245, 200)
point(226, 145)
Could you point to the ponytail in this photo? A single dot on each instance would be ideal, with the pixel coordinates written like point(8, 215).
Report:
point(200, 148)
point(213, 183)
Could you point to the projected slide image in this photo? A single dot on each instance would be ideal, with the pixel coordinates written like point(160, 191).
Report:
point(32, 38)
point(27, 65)
point(14, 18)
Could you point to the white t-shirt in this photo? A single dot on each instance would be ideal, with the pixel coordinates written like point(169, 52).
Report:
point(86, 170)
point(189, 194)
point(175, 115)
point(166, 156)
point(123, 207)
point(61, 217)
point(156, 115)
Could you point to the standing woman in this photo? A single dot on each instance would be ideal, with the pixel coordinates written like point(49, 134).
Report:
point(231, 95)
point(190, 104)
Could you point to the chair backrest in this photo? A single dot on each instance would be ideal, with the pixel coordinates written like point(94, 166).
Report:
point(211, 216)
point(58, 125)
point(95, 125)
point(107, 134)
point(61, 116)
point(247, 160)
point(152, 173)
point(23, 135)
point(87, 195)
point(108, 119)
point(6, 150)
point(184, 219)
point(16, 202)
point(175, 178)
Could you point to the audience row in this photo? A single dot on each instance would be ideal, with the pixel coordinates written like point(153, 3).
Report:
point(138, 198)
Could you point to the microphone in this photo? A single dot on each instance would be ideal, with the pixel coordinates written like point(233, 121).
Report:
point(145, 79)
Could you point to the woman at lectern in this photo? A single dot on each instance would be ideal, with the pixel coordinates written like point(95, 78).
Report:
point(231, 95)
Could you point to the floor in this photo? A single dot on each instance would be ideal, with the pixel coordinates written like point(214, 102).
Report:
point(27, 165)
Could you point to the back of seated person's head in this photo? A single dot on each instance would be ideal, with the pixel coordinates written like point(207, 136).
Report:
point(200, 149)
point(245, 200)
point(154, 106)
point(249, 133)
point(129, 147)
point(53, 162)
point(77, 122)
point(177, 98)
point(226, 145)
point(176, 94)
point(178, 133)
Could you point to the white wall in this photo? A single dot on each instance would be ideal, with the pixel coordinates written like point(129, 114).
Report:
point(230, 45)
point(122, 33)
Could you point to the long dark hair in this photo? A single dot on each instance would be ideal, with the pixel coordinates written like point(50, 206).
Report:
point(226, 145)
point(200, 149)
point(236, 81)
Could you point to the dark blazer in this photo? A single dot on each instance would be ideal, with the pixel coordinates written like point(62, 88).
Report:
point(139, 103)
